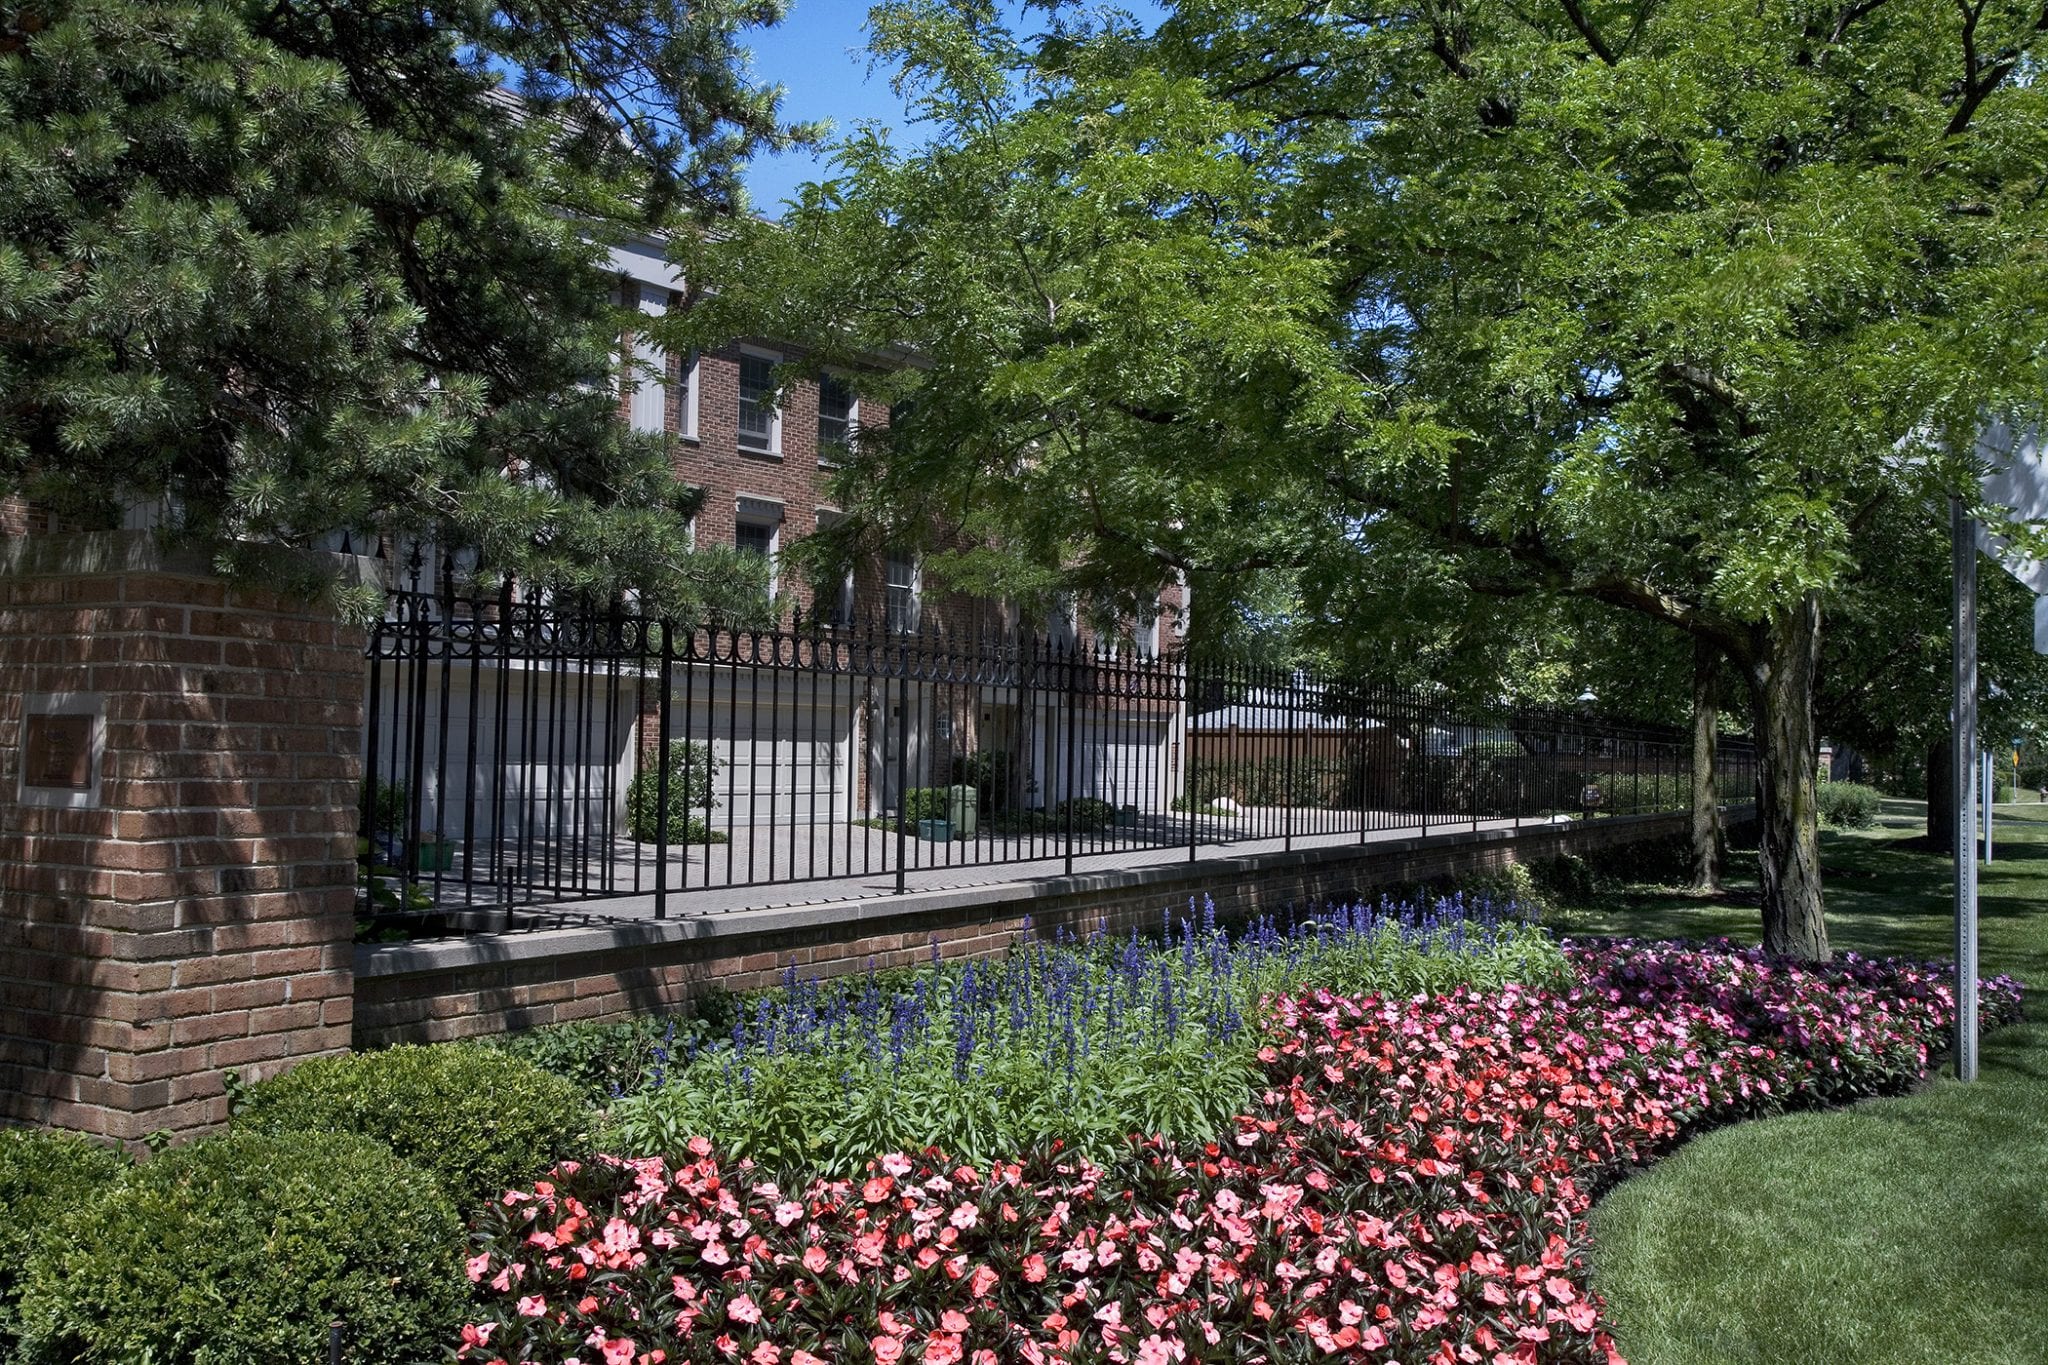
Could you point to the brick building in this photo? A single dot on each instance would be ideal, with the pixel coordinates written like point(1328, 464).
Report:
point(806, 749)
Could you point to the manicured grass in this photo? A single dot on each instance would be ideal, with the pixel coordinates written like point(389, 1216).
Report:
point(1899, 1230)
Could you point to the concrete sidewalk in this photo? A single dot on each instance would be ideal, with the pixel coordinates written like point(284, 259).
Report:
point(727, 878)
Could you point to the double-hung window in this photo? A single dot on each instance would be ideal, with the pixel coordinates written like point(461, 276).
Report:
point(760, 423)
point(838, 417)
point(902, 590)
point(1145, 633)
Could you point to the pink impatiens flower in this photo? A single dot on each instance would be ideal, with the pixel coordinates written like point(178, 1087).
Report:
point(1409, 1173)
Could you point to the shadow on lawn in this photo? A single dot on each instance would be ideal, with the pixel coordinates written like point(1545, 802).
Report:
point(1885, 896)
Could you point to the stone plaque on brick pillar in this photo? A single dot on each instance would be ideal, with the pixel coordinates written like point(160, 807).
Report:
point(177, 832)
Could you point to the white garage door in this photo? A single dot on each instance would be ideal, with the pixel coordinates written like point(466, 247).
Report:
point(781, 764)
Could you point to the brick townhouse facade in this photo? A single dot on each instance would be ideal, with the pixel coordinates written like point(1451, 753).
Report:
point(765, 462)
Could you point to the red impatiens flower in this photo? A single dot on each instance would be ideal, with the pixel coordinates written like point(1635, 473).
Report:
point(1403, 1179)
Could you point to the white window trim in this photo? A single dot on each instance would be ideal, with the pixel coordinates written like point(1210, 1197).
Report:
point(774, 446)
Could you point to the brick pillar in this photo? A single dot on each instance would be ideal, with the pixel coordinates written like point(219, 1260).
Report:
point(179, 773)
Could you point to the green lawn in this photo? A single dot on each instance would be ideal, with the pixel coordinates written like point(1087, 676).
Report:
point(1898, 1230)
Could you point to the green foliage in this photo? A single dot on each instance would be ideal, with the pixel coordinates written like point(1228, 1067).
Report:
point(389, 809)
point(43, 1176)
point(244, 1248)
point(1636, 793)
point(1016, 822)
point(1849, 805)
point(1663, 310)
point(1564, 880)
point(1182, 805)
point(1319, 780)
point(988, 772)
point(1514, 882)
point(693, 770)
point(799, 1111)
point(277, 271)
point(1083, 813)
point(925, 803)
point(605, 1060)
point(480, 1119)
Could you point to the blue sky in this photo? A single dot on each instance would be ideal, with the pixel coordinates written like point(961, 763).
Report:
point(819, 56)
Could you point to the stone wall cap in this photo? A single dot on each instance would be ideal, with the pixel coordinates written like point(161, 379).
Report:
point(95, 554)
point(877, 912)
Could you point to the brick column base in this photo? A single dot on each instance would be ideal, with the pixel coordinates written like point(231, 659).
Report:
point(191, 910)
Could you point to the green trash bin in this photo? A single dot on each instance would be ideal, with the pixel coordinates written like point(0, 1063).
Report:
point(961, 809)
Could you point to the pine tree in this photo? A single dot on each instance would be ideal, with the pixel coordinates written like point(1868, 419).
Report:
point(269, 272)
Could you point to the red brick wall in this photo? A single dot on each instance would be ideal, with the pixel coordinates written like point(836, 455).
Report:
point(436, 1003)
point(200, 917)
point(715, 461)
point(19, 517)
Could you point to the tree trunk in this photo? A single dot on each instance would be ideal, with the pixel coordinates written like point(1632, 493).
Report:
point(1781, 680)
point(1707, 837)
point(1941, 796)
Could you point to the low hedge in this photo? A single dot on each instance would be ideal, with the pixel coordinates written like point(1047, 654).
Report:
point(477, 1118)
point(242, 1249)
point(43, 1176)
point(1849, 805)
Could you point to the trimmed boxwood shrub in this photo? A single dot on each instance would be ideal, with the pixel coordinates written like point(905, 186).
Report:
point(243, 1248)
point(479, 1119)
point(43, 1175)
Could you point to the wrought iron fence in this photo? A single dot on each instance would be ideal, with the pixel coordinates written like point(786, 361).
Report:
point(521, 756)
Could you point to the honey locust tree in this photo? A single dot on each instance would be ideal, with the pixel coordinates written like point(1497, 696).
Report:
point(1649, 304)
point(269, 271)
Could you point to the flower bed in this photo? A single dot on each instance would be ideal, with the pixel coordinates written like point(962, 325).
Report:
point(1078, 1041)
point(1410, 1182)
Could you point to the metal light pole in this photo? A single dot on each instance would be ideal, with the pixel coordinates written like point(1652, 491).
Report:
point(1964, 623)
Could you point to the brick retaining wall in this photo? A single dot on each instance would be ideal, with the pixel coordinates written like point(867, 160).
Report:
point(433, 992)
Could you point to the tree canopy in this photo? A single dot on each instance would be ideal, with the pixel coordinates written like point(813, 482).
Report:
point(269, 272)
point(1654, 304)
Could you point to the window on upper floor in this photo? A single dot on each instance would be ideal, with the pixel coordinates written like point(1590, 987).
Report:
point(684, 378)
point(1145, 634)
point(647, 409)
point(832, 595)
point(1063, 624)
point(903, 589)
point(838, 417)
point(760, 422)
